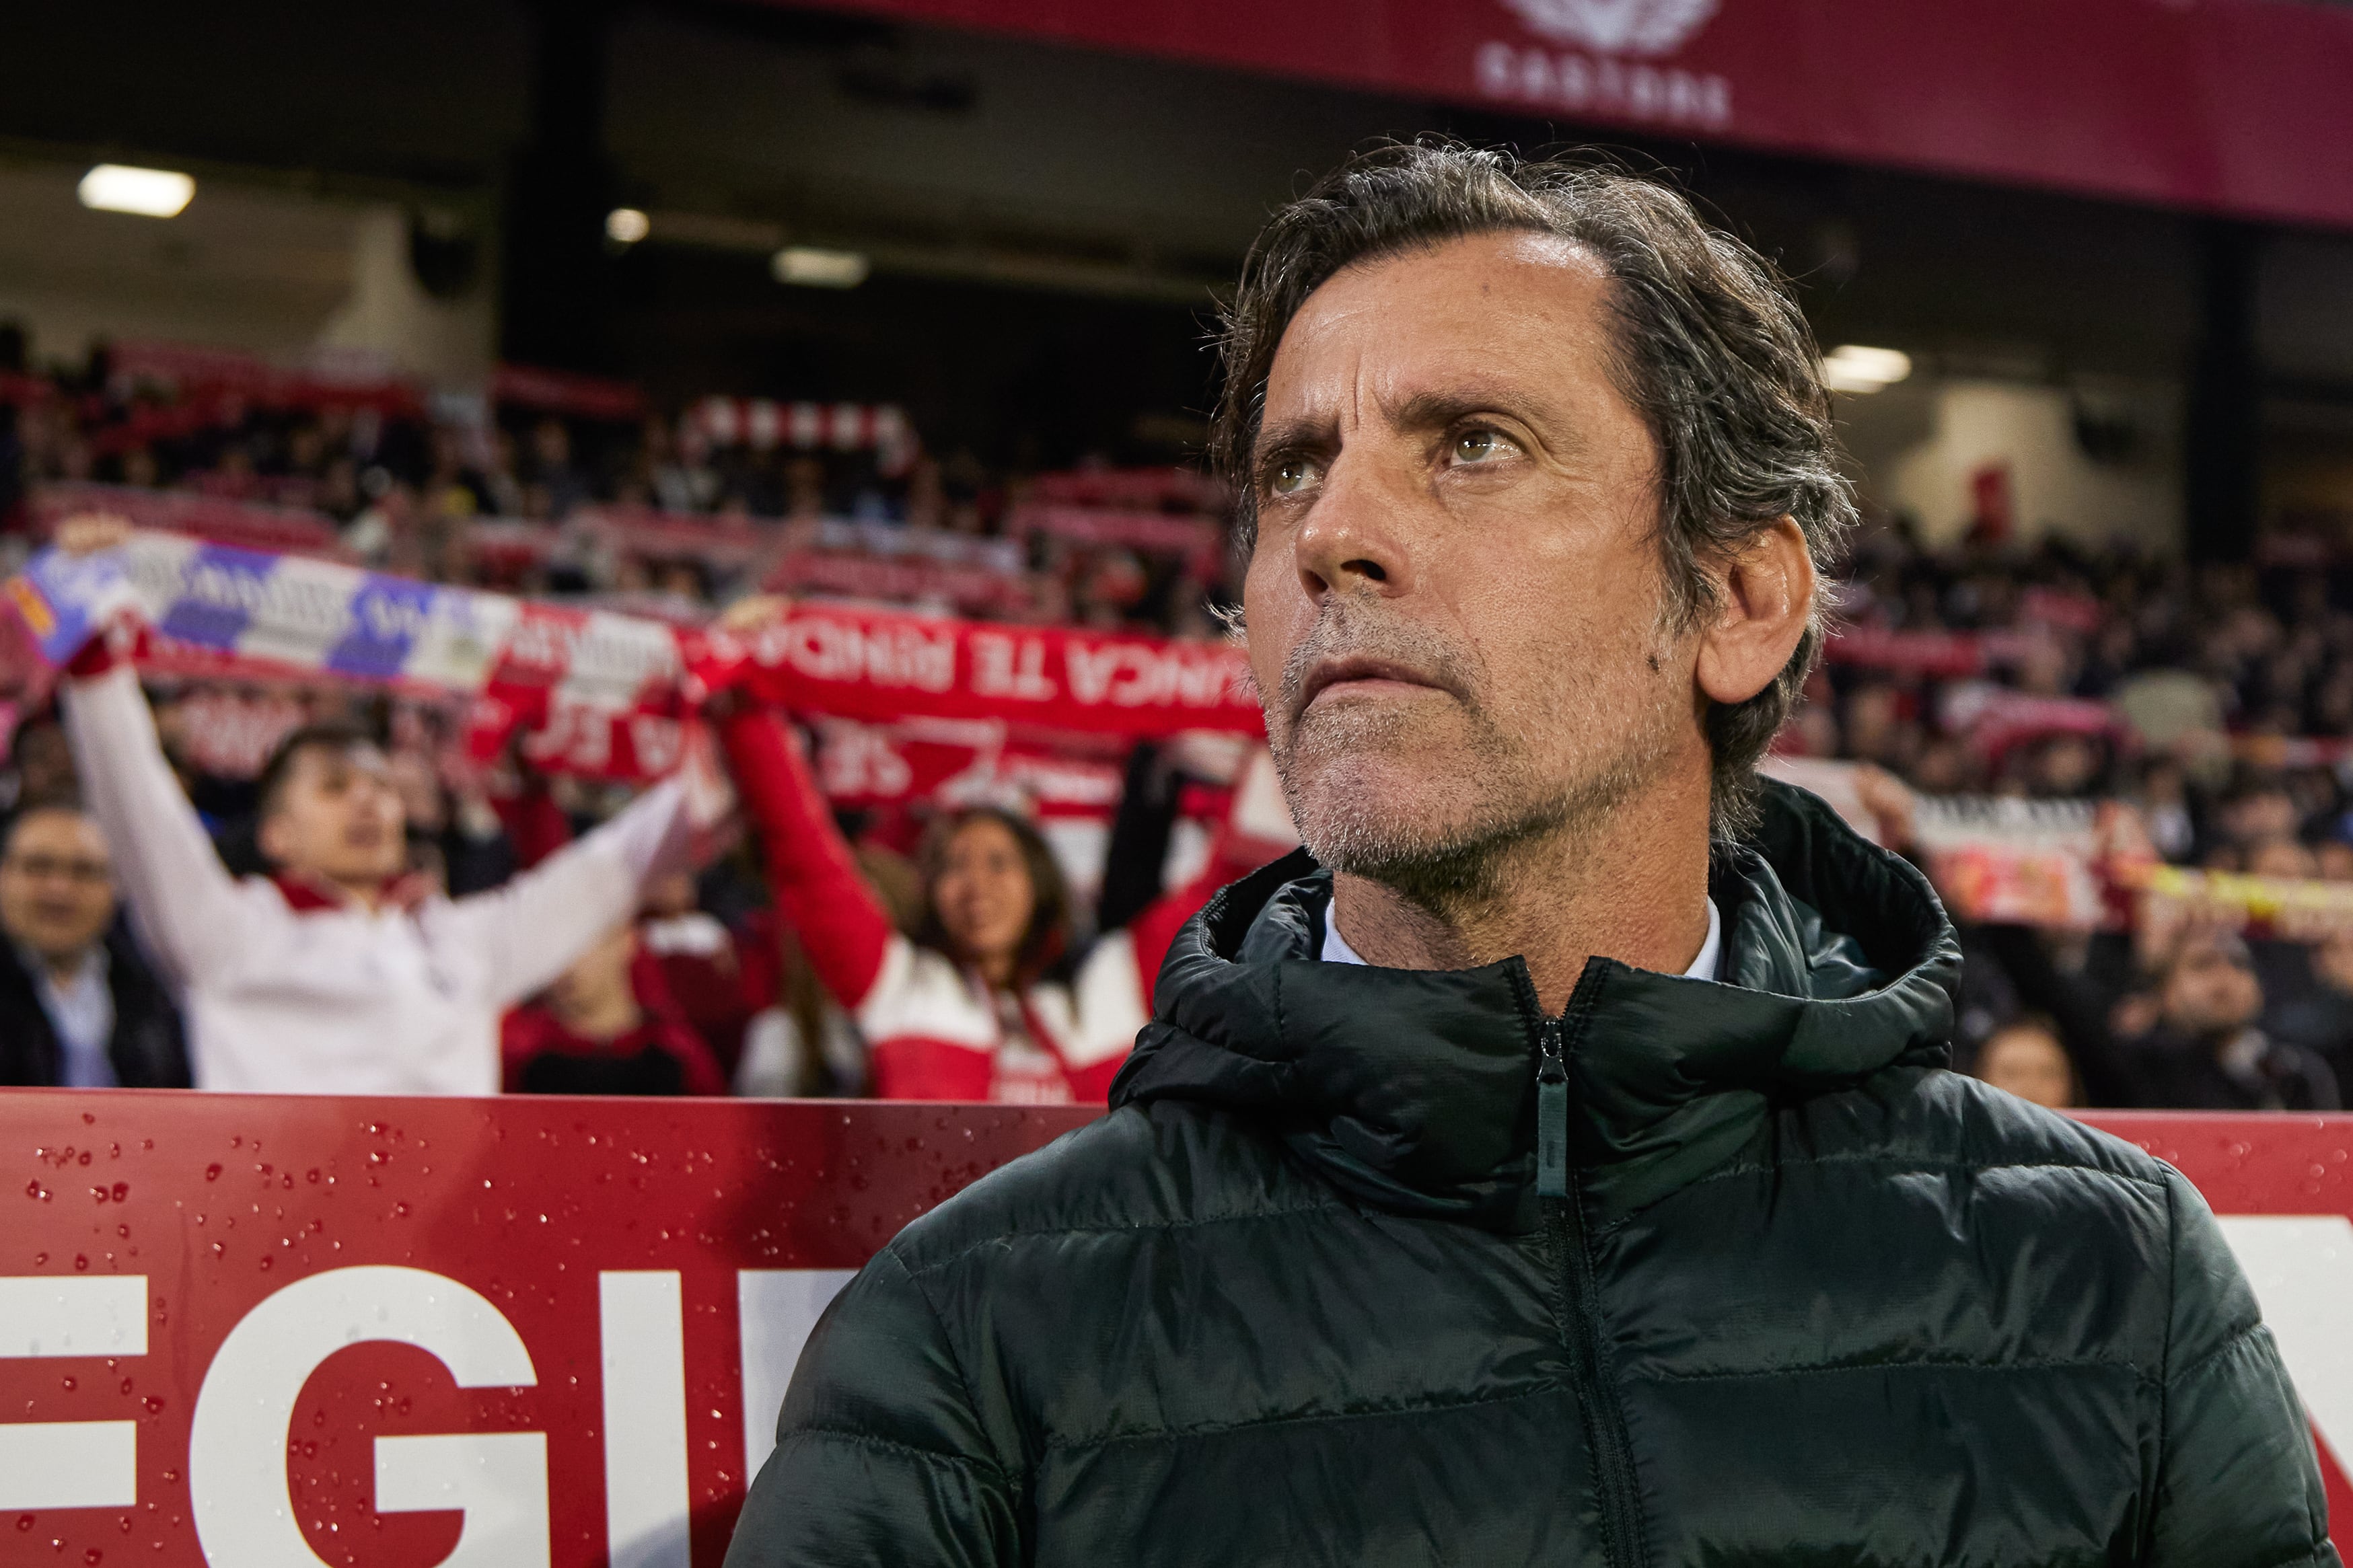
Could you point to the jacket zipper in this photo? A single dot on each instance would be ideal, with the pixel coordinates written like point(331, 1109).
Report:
point(1575, 1304)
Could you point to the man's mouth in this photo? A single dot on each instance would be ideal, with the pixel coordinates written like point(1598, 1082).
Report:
point(1353, 674)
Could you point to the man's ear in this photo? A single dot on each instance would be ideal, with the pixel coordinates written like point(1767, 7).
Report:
point(1767, 595)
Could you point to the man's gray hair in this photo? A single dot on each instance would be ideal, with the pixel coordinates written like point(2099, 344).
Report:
point(1713, 353)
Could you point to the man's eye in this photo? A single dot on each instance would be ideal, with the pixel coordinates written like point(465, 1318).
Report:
point(1292, 475)
point(1478, 445)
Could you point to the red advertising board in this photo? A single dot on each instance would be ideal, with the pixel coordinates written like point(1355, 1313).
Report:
point(262, 1332)
point(2231, 105)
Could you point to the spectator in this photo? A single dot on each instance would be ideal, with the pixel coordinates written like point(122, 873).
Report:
point(2026, 1058)
point(2281, 857)
point(78, 1007)
point(700, 964)
point(2163, 804)
point(2207, 1053)
point(565, 486)
point(454, 834)
point(2317, 1014)
point(978, 1005)
point(40, 763)
point(593, 1032)
point(983, 1002)
point(339, 974)
point(2260, 812)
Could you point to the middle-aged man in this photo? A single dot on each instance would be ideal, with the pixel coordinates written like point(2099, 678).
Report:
point(78, 1007)
point(1559, 1166)
point(2208, 1051)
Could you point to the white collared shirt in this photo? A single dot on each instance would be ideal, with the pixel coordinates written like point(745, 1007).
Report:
point(81, 1015)
point(1704, 967)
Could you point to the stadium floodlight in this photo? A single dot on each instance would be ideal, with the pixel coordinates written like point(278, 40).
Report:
point(1850, 367)
point(815, 268)
point(626, 225)
point(149, 193)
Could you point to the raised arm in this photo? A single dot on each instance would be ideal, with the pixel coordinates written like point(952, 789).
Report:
point(2238, 1482)
point(841, 925)
point(531, 930)
point(184, 900)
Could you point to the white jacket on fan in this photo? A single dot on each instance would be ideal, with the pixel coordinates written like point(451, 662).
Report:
point(340, 999)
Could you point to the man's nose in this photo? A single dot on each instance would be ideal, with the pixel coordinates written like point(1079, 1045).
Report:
point(1358, 535)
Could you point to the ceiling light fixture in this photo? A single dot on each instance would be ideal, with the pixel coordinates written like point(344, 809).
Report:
point(1850, 367)
point(811, 268)
point(626, 225)
point(148, 192)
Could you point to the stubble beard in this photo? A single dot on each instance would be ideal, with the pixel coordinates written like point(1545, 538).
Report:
point(1521, 817)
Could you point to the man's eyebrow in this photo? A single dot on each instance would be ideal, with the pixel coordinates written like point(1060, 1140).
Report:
point(1440, 406)
point(1299, 432)
point(1431, 410)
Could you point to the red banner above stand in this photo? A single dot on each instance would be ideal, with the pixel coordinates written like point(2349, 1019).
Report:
point(240, 1330)
point(2236, 106)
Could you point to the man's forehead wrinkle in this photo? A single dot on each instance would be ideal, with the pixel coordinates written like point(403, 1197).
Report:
point(1339, 408)
point(1323, 397)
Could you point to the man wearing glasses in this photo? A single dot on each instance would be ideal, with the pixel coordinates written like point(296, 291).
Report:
point(78, 1007)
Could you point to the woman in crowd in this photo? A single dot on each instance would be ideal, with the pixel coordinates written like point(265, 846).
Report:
point(982, 1002)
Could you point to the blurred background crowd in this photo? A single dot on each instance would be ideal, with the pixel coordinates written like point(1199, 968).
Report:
point(2209, 711)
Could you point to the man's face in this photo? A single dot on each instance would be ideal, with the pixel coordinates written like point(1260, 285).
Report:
point(2212, 988)
point(1455, 604)
point(338, 818)
point(2027, 1061)
point(56, 884)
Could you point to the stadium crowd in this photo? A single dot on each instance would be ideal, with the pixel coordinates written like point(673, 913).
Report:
point(2208, 716)
point(503, 494)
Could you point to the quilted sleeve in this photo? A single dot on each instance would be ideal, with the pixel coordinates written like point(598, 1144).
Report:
point(880, 1455)
point(2238, 1482)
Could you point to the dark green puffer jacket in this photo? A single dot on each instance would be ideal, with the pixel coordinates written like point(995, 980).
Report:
point(1809, 1298)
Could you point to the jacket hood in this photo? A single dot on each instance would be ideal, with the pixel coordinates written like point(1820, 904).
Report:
point(1414, 1090)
